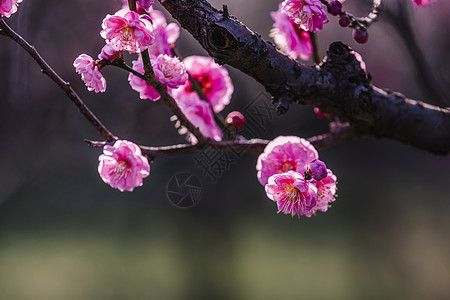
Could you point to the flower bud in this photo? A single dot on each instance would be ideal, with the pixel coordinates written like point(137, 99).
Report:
point(344, 20)
point(334, 7)
point(235, 119)
point(360, 35)
point(318, 170)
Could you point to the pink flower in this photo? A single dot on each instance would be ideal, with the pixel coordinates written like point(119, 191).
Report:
point(326, 191)
point(285, 153)
point(292, 40)
point(165, 34)
point(168, 70)
point(127, 31)
point(307, 14)
point(107, 52)
point(199, 113)
point(292, 193)
point(214, 80)
point(144, 4)
point(122, 166)
point(145, 90)
point(90, 74)
point(423, 2)
point(8, 7)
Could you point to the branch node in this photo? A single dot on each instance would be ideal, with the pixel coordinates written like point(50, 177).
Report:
point(225, 10)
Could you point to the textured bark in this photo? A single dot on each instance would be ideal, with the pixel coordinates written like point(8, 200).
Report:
point(338, 86)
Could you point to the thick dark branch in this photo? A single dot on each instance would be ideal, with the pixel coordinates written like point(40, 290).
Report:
point(65, 86)
point(338, 86)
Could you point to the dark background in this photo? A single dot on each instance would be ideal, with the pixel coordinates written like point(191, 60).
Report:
point(64, 234)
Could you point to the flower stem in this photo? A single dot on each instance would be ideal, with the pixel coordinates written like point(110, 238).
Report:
point(65, 86)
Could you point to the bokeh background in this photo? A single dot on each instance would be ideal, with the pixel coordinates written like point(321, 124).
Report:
point(64, 234)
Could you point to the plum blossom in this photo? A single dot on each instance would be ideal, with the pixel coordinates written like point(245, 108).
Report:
point(283, 154)
point(8, 7)
point(145, 4)
point(145, 90)
point(199, 113)
point(307, 14)
point(140, 4)
point(165, 34)
point(122, 166)
point(90, 74)
point(292, 40)
point(214, 80)
point(108, 52)
point(423, 2)
point(127, 31)
point(292, 193)
point(326, 191)
point(168, 70)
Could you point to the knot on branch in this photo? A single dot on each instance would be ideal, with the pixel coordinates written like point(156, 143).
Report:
point(342, 63)
point(220, 39)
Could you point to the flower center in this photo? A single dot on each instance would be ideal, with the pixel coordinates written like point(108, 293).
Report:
point(122, 168)
point(288, 165)
point(292, 192)
point(128, 33)
point(205, 82)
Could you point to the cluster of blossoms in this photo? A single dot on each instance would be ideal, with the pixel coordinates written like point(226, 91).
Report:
point(215, 84)
point(295, 178)
point(147, 29)
point(8, 7)
point(294, 19)
point(168, 70)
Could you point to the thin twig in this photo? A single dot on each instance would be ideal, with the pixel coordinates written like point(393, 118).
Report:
point(401, 22)
point(151, 79)
point(254, 146)
point(65, 86)
point(198, 89)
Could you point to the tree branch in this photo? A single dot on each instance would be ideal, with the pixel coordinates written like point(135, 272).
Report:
point(65, 86)
point(338, 86)
point(344, 133)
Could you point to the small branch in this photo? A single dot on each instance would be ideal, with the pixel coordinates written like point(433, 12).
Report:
point(240, 145)
point(373, 15)
point(65, 86)
point(121, 64)
point(198, 89)
point(315, 45)
point(401, 22)
point(151, 79)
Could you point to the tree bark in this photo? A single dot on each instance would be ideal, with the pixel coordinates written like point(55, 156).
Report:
point(337, 86)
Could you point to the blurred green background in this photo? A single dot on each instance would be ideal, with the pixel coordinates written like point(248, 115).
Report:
point(64, 234)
